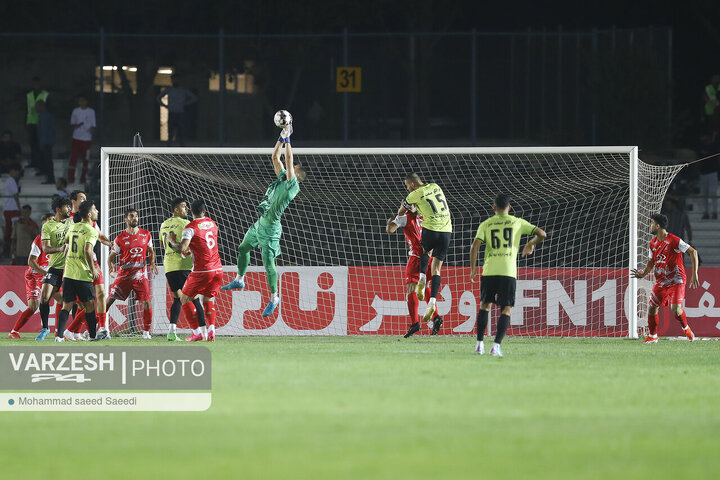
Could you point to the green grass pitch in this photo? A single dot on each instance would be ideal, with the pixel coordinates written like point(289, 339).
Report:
point(387, 408)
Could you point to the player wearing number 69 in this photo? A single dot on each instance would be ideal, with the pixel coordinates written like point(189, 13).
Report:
point(430, 201)
point(200, 237)
point(266, 231)
point(501, 236)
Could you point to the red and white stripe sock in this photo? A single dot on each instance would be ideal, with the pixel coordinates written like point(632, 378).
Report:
point(24, 317)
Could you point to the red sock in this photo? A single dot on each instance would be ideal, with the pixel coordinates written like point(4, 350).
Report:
point(100, 319)
point(190, 314)
point(413, 304)
point(209, 313)
point(77, 322)
point(147, 319)
point(653, 321)
point(24, 317)
point(682, 319)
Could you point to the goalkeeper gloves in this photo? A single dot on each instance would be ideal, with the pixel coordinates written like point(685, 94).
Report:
point(285, 133)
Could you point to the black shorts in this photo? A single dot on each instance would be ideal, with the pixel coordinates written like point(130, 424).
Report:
point(438, 242)
point(73, 289)
point(54, 277)
point(498, 289)
point(176, 279)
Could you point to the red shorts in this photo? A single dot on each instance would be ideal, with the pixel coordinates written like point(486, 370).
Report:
point(662, 296)
point(412, 270)
point(203, 283)
point(33, 285)
point(100, 280)
point(122, 286)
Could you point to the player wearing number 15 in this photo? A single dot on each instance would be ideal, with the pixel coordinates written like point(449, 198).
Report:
point(436, 232)
point(80, 268)
point(501, 236)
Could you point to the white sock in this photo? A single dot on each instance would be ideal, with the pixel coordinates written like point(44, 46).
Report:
point(211, 328)
point(421, 278)
point(173, 328)
point(13, 331)
point(479, 343)
point(275, 297)
point(239, 278)
point(203, 329)
point(685, 328)
point(496, 345)
point(196, 331)
point(431, 301)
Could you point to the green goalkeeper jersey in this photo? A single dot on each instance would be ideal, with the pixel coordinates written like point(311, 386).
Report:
point(501, 236)
point(76, 265)
point(55, 232)
point(172, 260)
point(277, 198)
point(430, 202)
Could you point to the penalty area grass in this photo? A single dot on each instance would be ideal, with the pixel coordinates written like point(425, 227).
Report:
point(391, 408)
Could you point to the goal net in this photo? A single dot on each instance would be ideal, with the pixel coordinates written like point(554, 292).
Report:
point(340, 273)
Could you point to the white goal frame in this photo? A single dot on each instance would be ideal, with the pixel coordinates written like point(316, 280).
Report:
point(630, 151)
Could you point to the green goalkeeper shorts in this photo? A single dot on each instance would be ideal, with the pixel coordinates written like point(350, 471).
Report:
point(266, 237)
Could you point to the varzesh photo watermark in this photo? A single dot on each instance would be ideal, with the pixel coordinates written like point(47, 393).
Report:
point(101, 378)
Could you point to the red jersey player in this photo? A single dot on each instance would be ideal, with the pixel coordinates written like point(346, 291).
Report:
point(37, 269)
point(666, 263)
point(411, 223)
point(200, 237)
point(133, 245)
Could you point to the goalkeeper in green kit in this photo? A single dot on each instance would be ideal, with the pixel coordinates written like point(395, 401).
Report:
point(266, 231)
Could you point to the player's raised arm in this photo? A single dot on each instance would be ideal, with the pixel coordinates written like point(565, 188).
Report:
point(538, 238)
point(289, 161)
point(277, 151)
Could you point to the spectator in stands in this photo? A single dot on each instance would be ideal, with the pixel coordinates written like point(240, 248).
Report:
point(23, 233)
point(61, 185)
point(10, 152)
point(678, 220)
point(178, 98)
point(82, 121)
point(33, 96)
point(11, 204)
point(46, 141)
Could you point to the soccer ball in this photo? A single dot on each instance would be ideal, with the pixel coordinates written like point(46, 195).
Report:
point(282, 118)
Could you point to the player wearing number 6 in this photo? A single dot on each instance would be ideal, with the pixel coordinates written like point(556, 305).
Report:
point(266, 231)
point(501, 236)
point(429, 200)
point(200, 237)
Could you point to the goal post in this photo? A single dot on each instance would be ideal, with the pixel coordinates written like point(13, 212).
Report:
point(340, 273)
